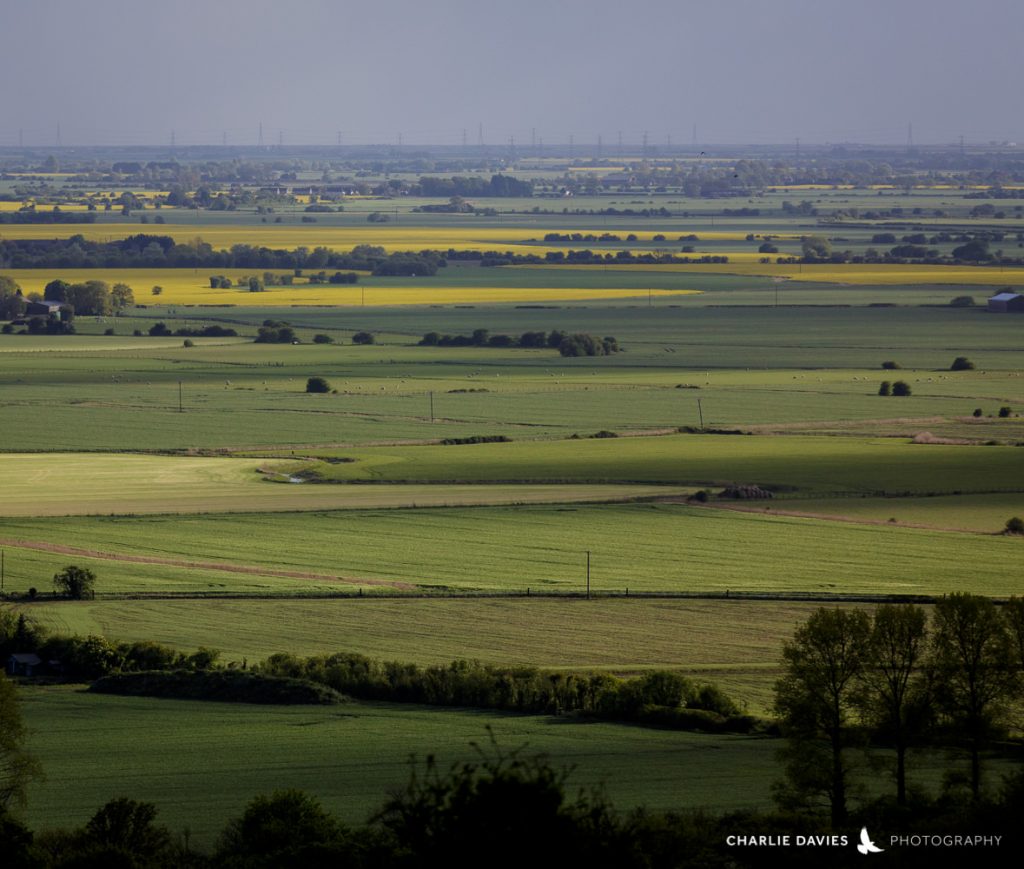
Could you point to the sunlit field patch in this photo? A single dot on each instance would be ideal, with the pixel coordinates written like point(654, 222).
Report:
point(192, 287)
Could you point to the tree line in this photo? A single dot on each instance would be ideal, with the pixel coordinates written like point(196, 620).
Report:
point(567, 344)
point(894, 679)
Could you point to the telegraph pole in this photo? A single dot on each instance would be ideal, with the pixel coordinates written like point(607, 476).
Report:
point(588, 574)
point(700, 410)
point(431, 405)
point(180, 410)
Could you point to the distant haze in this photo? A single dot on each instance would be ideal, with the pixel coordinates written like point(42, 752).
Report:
point(430, 71)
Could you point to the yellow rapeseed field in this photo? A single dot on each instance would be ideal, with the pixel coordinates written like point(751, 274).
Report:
point(192, 287)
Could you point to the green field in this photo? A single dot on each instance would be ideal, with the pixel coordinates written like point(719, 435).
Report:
point(643, 547)
point(733, 643)
point(174, 473)
point(201, 762)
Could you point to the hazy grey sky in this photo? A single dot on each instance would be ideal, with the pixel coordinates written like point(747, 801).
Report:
point(131, 71)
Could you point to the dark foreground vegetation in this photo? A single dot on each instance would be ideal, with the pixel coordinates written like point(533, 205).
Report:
point(508, 810)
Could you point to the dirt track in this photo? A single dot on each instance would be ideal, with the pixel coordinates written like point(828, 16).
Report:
point(199, 565)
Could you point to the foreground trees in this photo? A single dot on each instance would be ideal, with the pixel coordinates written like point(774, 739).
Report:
point(816, 702)
point(850, 678)
point(17, 766)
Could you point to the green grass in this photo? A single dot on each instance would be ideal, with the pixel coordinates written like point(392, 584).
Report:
point(83, 484)
point(821, 465)
point(645, 547)
point(981, 513)
point(202, 762)
point(735, 644)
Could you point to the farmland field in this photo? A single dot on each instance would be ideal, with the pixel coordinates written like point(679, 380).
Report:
point(221, 505)
point(657, 547)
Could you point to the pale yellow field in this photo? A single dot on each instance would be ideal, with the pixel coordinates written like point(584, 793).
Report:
point(90, 484)
point(845, 273)
point(340, 238)
point(192, 287)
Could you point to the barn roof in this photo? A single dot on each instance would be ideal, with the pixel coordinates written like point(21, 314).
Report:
point(1004, 297)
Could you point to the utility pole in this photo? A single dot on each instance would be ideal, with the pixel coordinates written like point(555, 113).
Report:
point(431, 405)
point(180, 410)
point(700, 410)
point(588, 574)
point(261, 134)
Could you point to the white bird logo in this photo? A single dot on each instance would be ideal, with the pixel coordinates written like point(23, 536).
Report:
point(866, 846)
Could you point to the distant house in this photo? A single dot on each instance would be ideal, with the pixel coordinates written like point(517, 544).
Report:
point(43, 309)
point(1004, 303)
point(23, 665)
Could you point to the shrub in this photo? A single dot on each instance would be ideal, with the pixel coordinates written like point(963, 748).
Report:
point(885, 388)
point(962, 302)
point(317, 384)
point(1015, 525)
point(977, 411)
point(75, 582)
point(159, 330)
point(1004, 412)
point(363, 338)
point(891, 366)
point(962, 363)
point(901, 387)
point(108, 331)
point(323, 339)
point(188, 342)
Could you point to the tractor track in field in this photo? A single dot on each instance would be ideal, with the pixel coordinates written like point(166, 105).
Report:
point(250, 569)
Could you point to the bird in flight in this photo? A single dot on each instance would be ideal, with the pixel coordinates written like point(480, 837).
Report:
point(866, 846)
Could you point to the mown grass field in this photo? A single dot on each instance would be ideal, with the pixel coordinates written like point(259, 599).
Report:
point(808, 465)
point(736, 644)
point(642, 547)
point(65, 484)
point(201, 762)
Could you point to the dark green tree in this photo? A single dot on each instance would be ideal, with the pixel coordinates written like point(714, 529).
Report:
point(17, 766)
point(816, 703)
point(971, 660)
point(75, 582)
point(895, 698)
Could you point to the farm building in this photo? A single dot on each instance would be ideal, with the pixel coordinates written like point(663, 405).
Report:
point(1004, 303)
point(23, 665)
point(44, 309)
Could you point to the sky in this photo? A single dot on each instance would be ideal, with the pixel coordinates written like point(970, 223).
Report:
point(138, 72)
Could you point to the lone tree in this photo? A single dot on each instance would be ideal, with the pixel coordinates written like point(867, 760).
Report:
point(962, 363)
point(816, 701)
point(317, 384)
point(75, 582)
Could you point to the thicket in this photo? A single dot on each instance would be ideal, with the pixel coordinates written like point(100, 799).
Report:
point(577, 344)
point(662, 697)
point(223, 685)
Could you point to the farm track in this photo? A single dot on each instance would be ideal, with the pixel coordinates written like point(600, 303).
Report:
point(197, 565)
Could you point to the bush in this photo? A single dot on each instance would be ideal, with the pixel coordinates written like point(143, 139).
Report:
point(317, 384)
point(231, 686)
point(188, 342)
point(962, 302)
point(885, 388)
point(977, 411)
point(1004, 412)
point(962, 363)
point(323, 339)
point(159, 330)
point(1014, 525)
point(75, 582)
point(891, 366)
point(363, 338)
point(901, 387)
